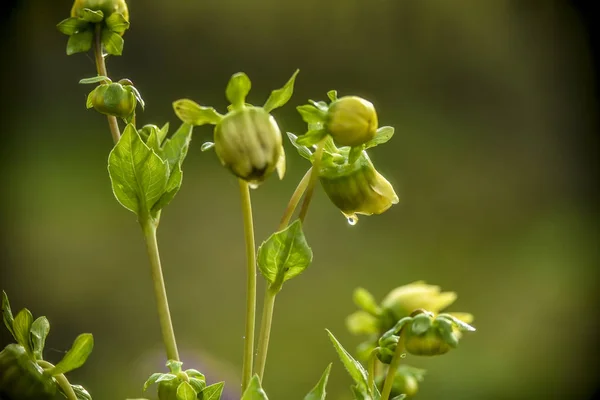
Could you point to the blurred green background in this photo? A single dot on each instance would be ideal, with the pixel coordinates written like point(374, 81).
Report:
point(494, 113)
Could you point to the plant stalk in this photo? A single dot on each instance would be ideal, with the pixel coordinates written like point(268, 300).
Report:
point(101, 68)
point(61, 379)
point(294, 200)
point(251, 284)
point(265, 332)
point(391, 372)
point(312, 180)
point(149, 227)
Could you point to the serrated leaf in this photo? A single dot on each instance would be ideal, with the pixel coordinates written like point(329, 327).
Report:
point(212, 392)
point(207, 146)
point(311, 114)
point(39, 331)
point(22, 326)
point(80, 42)
point(95, 79)
point(192, 113)
point(382, 135)
point(92, 16)
point(76, 356)
point(237, 89)
point(311, 137)
point(112, 42)
point(138, 175)
point(279, 97)
point(7, 316)
point(302, 150)
point(284, 255)
point(81, 393)
point(354, 368)
point(332, 94)
point(116, 22)
point(72, 25)
point(153, 378)
point(185, 391)
point(254, 391)
point(318, 392)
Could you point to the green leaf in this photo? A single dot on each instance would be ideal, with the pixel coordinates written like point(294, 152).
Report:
point(354, 154)
point(354, 368)
point(237, 89)
point(192, 113)
point(332, 94)
point(173, 186)
point(152, 140)
point(162, 133)
point(318, 392)
point(80, 42)
point(81, 393)
point(76, 356)
point(95, 79)
point(116, 22)
point(138, 175)
point(365, 301)
point(207, 146)
point(382, 135)
point(153, 378)
point(176, 147)
point(7, 316)
point(194, 373)
point(112, 42)
point(72, 25)
point(312, 137)
point(89, 102)
point(420, 324)
point(321, 105)
point(185, 391)
point(302, 150)
point(166, 378)
point(39, 331)
point(311, 114)
point(212, 392)
point(284, 255)
point(254, 391)
point(279, 97)
point(399, 397)
point(174, 366)
point(22, 327)
point(90, 15)
point(197, 384)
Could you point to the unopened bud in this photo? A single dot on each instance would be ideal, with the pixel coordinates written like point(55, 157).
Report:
point(351, 121)
point(108, 7)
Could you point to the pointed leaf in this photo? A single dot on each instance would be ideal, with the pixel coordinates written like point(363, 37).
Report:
point(207, 146)
point(136, 94)
point(311, 114)
point(332, 94)
point(81, 393)
point(212, 392)
point(354, 368)
point(112, 42)
point(91, 16)
point(138, 175)
point(192, 113)
point(194, 373)
point(22, 327)
point(72, 25)
point(153, 378)
point(365, 301)
point(89, 102)
point(311, 137)
point(39, 331)
point(185, 391)
point(76, 356)
point(281, 96)
point(318, 392)
point(197, 384)
point(80, 42)
point(254, 391)
point(162, 133)
point(173, 186)
point(165, 378)
point(116, 22)
point(95, 79)
point(382, 135)
point(302, 150)
point(284, 255)
point(237, 89)
point(354, 154)
point(7, 316)
point(176, 147)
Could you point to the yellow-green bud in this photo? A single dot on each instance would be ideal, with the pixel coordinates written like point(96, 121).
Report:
point(248, 142)
point(405, 299)
point(107, 7)
point(351, 121)
point(357, 188)
point(113, 99)
point(21, 378)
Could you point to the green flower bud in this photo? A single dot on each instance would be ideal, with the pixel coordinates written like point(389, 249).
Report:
point(429, 335)
point(167, 390)
point(21, 378)
point(351, 121)
point(248, 142)
point(108, 7)
point(357, 188)
point(403, 300)
point(113, 99)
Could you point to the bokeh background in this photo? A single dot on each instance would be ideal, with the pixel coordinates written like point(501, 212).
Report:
point(494, 159)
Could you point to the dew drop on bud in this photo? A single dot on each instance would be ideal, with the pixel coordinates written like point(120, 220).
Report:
point(352, 220)
point(403, 355)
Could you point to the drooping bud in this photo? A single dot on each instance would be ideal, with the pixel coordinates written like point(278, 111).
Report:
point(108, 7)
point(351, 121)
point(248, 142)
point(429, 335)
point(21, 378)
point(113, 98)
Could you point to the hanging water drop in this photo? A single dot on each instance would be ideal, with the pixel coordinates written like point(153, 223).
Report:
point(352, 220)
point(253, 185)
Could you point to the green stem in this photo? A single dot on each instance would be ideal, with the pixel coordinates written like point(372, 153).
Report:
point(295, 200)
point(371, 370)
point(391, 372)
point(265, 332)
point(61, 379)
point(149, 227)
point(101, 68)
point(312, 180)
point(251, 284)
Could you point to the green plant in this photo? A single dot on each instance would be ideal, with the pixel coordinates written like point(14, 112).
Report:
point(145, 168)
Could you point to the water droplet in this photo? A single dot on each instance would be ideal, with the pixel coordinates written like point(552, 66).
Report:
point(244, 337)
point(403, 355)
point(352, 220)
point(253, 185)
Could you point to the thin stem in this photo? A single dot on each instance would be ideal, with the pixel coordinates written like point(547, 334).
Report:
point(312, 180)
point(371, 370)
point(251, 284)
point(61, 379)
point(101, 68)
point(295, 200)
point(265, 332)
point(391, 372)
point(149, 227)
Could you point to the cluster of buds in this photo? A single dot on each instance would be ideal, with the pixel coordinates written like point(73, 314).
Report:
point(177, 384)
